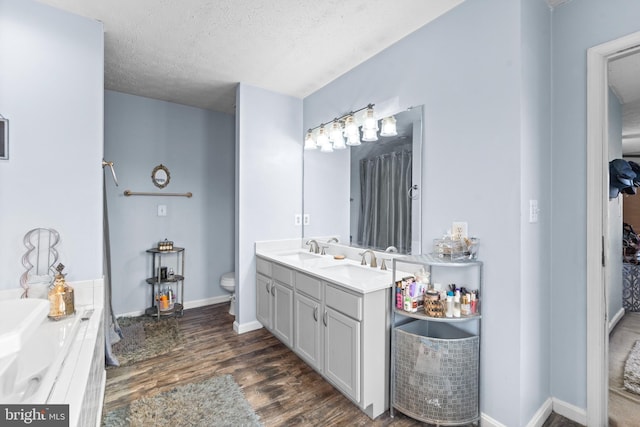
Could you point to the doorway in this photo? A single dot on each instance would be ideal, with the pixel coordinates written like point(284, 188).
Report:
point(597, 224)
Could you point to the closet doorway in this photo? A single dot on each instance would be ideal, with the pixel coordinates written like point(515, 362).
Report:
point(600, 240)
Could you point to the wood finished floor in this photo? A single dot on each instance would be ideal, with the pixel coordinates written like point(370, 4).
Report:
point(281, 388)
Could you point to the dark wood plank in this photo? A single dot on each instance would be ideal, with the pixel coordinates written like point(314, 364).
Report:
point(281, 388)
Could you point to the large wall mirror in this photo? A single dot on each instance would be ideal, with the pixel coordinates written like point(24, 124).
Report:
point(369, 194)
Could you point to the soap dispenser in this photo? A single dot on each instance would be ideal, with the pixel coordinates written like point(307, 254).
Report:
point(61, 297)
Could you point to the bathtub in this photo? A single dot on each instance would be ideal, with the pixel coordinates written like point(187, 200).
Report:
point(33, 349)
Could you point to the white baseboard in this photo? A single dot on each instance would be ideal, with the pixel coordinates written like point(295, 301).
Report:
point(567, 410)
point(187, 304)
point(541, 414)
point(207, 301)
point(487, 421)
point(246, 327)
point(615, 319)
point(537, 420)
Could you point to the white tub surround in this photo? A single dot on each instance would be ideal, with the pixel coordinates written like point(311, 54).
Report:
point(58, 361)
point(333, 313)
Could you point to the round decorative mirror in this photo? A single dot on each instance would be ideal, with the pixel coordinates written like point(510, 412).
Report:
point(160, 176)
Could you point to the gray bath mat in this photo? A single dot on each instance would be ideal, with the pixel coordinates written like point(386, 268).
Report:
point(216, 401)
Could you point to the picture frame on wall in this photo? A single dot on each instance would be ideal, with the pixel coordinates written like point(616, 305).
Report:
point(4, 138)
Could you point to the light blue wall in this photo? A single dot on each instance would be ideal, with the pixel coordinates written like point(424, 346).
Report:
point(468, 69)
point(535, 311)
point(614, 280)
point(197, 146)
point(268, 182)
point(577, 26)
point(51, 90)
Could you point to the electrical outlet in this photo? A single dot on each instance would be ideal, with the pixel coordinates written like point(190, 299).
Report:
point(297, 220)
point(162, 210)
point(306, 219)
point(459, 230)
point(533, 211)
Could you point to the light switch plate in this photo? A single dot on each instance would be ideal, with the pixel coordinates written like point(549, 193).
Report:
point(297, 219)
point(306, 219)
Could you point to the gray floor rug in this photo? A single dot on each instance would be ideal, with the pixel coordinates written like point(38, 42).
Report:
point(632, 370)
point(145, 337)
point(216, 401)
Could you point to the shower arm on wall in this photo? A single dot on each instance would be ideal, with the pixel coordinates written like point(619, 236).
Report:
point(113, 172)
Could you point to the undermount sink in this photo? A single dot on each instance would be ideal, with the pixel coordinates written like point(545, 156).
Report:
point(354, 272)
point(299, 256)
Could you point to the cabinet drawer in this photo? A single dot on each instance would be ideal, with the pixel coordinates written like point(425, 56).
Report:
point(263, 267)
point(343, 301)
point(309, 285)
point(282, 274)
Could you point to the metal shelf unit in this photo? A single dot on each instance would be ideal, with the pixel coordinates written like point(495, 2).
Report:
point(435, 362)
point(159, 279)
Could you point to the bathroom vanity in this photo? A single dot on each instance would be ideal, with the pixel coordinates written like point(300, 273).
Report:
point(334, 314)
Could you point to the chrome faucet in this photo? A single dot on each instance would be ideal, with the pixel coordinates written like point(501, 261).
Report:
point(333, 240)
point(313, 246)
point(373, 258)
point(391, 249)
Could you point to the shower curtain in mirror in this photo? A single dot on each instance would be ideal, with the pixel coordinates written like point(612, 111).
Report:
point(385, 206)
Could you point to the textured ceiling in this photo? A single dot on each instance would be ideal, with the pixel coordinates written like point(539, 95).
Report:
point(194, 52)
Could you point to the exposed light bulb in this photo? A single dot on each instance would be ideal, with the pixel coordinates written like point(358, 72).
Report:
point(369, 135)
point(350, 126)
point(338, 143)
point(323, 138)
point(353, 138)
point(336, 131)
point(388, 127)
point(370, 122)
point(309, 142)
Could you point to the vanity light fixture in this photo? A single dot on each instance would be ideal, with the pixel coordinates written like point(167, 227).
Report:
point(329, 138)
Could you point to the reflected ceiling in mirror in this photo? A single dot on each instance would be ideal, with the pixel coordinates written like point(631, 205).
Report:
point(368, 194)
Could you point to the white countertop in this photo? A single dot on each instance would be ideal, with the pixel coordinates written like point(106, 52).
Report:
point(348, 272)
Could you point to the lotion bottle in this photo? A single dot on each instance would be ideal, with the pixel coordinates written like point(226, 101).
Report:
point(456, 304)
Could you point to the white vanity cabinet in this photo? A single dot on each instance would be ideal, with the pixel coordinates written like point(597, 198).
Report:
point(341, 333)
point(274, 299)
point(308, 312)
point(342, 324)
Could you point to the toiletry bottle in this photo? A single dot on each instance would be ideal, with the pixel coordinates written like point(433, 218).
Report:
point(449, 312)
point(456, 304)
point(473, 303)
point(465, 306)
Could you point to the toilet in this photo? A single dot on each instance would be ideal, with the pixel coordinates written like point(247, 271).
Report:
point(228, 283)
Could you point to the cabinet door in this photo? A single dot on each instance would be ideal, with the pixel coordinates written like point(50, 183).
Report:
point(342, 352)
point(263, 300)
point(283, 313)
point(308, 336)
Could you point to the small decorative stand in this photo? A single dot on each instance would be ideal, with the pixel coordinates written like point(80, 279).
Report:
point(167, 281)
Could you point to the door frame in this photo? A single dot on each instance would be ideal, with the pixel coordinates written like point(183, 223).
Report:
point(597, 225)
